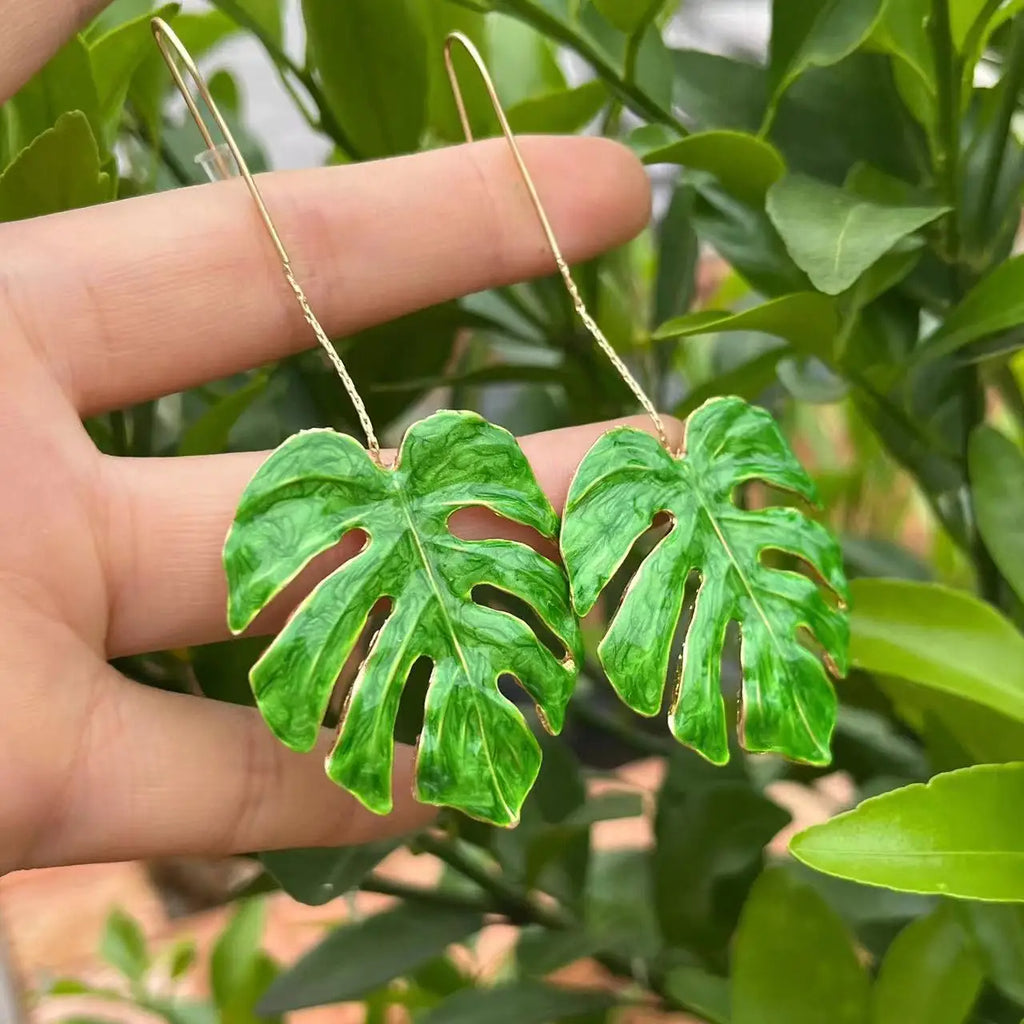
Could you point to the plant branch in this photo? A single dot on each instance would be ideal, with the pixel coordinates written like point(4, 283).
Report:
point(419, 894)
point(515, 903)
point(555, 28)
point(949, 75)
point(285, 66)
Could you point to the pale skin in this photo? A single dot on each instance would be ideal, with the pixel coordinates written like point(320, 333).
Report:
point(103, 557)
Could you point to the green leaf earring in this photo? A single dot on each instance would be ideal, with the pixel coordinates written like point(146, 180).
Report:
point(476, 752)
point(629, 479)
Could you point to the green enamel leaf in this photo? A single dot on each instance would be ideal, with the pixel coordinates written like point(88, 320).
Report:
point(476, 752)
point(959, 835)
point(625, 481)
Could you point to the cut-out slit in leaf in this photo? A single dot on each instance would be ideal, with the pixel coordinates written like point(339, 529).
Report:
point(476, 752)
point(626, 479)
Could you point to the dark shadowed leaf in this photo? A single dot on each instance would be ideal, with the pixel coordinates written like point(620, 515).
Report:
point(358, 958)
point(994, 305)
point(521, 1002)
point(815, 33)
point(315, 877)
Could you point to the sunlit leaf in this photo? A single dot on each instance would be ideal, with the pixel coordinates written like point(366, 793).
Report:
point(476, 751)
point(623, 483)
point(940, 638)
point(959, 835)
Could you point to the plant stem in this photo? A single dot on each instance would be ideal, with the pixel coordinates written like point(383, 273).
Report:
point(419, 894)
point(557, 29)
point(608, 722)
point(949, 76)
point(515, 903)
point(286, 66)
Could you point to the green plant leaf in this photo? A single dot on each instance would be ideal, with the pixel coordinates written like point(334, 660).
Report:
point(747, 240)
point(961, 834)
point(746, 165)
point(628, 15)
point(794, 960)
point(809, 321)
point(521, 1002)
point(719, 92)
point(835, 236)
point(903, 32)
point(678, 258)
point(565, 112)
point(115, 56)
point(815, 33)
point(372, 62)
point(701, 993)
point(443, 117)
point(63, 85)
point(939, 638)
point(930, 975)
point(997, 484)
point(316, 877)
point(718, 825)
point(123, 945)
point(747, 381)
point(994, 305)
point(998, 931)
point(57, 171)
point(240, 972)
point(626, 480)
point(320, 485)
point(358, 958)
point(209, 434)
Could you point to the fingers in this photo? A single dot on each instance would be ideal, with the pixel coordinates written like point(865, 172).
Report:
point(167, 520)
point(152, 295)
point(33, 32)
point(163, 774)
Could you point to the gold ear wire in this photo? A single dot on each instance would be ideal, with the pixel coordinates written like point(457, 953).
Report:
point(563, 268)
point(177, 57)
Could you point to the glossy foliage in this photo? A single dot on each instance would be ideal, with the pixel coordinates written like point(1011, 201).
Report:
point(476, 751)
point(624, 482)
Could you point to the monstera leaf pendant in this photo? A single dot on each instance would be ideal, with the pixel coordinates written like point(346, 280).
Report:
point(623, 483)
point(476, 752)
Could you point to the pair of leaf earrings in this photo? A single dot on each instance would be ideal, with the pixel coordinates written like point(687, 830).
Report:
point(476, 752)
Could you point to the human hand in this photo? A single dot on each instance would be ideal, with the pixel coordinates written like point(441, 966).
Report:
point(103, 557)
